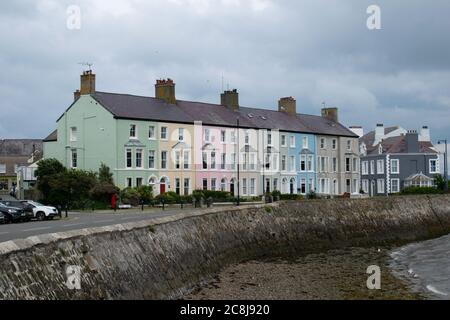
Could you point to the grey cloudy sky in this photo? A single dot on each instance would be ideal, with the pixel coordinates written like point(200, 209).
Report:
point(315, 50)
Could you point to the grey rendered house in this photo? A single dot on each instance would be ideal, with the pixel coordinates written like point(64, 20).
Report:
point(394, 158)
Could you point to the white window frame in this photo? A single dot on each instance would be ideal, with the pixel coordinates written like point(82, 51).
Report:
point(380, 166)
point(72, 153)
point(436, 165)
point(323, 143)
point(135, 129)
point(151, 133)
point(252, 186)
point(73, 134)
point(152, 153)
point(380, 186)
point(180, 134)
point(162, 159)
point(372, 166)
point(398, 185)
point(130, 151)
point(283, 140)
point(292, 141)
point(305, 143)
point(398, 166)
point(223, 136)
point(186, 159)
point(166, 133)
point(207, 135)
point(137, 151)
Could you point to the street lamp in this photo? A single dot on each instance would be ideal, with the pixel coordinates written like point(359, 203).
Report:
point(445, 164)
point(238, 161)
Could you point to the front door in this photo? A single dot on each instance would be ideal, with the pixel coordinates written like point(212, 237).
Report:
point(232, 189)
point(162, 188)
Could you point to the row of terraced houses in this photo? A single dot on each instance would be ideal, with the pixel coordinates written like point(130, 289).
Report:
point(180, 146)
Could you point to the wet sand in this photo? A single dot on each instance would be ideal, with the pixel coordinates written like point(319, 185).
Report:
point(333, 275)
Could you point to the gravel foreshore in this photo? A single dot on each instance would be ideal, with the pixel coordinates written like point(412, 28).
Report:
point(332, 275)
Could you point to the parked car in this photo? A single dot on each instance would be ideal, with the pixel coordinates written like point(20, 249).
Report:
point(2, 218)
point(18, 204)
point(40, 212)
point(12, 214)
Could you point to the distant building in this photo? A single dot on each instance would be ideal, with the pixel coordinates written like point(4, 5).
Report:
point(394, 158)
point(15, 153)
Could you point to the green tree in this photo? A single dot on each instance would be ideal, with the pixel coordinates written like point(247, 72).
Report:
point(105, 174)
point(46, 170)
point(71, 188)
point(105, 188)
point(439, 181)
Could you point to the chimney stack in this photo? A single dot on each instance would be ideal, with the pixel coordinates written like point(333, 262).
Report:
point(76, 95)
point(358, 130)
point(87, 83)
point(412, 141)
point(425, 134)
point(165, 90)
point(287, 105)
point(330, 114)
point(230, 99)
point(379, 134)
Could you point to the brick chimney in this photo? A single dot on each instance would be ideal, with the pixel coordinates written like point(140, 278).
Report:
point(87, 83)
point(230, 98)
point(165, 90)
point(287, 105)
point(76, 95)
point(330, 114)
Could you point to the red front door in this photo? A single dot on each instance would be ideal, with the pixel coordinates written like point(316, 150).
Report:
point(162, 188)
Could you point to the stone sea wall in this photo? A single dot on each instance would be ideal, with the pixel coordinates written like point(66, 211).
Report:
point(162, 258)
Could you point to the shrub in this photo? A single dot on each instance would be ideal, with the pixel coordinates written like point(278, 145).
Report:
point(103, 191)
point(291, 197)
point(276, 193)
point(169, 197)
point(312, 195)
point(130, 196)
point(420, 190)
point(145, 193)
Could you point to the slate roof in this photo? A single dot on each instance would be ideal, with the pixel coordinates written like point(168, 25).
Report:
point(127, 106)
point(52, 136)
point(398, 145)
point(369, 137)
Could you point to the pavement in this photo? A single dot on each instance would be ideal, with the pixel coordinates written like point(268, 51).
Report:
point(81, 220)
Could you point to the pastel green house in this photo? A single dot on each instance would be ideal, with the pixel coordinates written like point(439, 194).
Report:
point(87, 135)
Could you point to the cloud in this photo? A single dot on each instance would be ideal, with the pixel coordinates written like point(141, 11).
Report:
point(315, 50)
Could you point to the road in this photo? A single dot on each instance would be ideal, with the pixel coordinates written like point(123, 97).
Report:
point(78, 220)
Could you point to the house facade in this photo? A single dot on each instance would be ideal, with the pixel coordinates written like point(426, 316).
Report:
point(394, 158)
point(180, 146)
point(15, 153)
